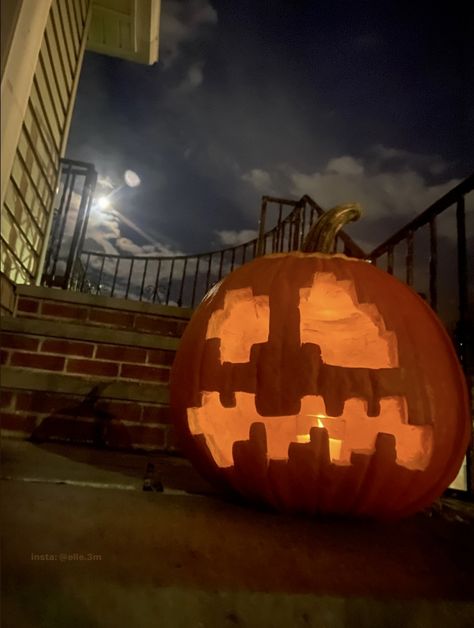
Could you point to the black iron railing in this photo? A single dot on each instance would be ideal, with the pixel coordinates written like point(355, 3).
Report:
point(293, 221)
point(173, 280)
point(434, 262)
point(438, 267)
point(183, 280)
point(73, 202)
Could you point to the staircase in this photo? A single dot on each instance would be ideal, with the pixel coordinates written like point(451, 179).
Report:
point(88, 369)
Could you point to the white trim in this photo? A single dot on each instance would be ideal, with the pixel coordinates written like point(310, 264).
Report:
point(17, 79)
point(144, 21)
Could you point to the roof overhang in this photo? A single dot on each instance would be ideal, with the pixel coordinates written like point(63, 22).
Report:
point(127, 29)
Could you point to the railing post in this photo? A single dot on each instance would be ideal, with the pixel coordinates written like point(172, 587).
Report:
point(462, 278)
point(55, 234)
point(462, 327)
point(433, 264)
point(296, 234)
point(302, 224)
point(183, 278)
point(70, 171)
point(261, 227)
point(390, 261)
point(89, 186)
point(409, 259)
point(81, 223)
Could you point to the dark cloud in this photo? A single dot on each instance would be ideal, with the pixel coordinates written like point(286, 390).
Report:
point(183, 24)
point(341, 101)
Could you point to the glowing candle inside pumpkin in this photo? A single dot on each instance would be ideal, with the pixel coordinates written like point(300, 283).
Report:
point(303, 438)
point(335, 444)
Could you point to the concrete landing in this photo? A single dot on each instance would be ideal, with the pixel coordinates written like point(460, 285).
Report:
point(83, 545)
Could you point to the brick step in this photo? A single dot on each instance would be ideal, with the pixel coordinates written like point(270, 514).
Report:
point(88, 369)
point(34, 302)
point(69, 408)
point(75, 348)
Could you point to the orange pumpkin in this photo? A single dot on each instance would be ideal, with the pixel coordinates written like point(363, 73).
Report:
point(319, 383)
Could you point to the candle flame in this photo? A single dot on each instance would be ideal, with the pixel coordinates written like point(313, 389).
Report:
point(335, 444)
point(303, 438)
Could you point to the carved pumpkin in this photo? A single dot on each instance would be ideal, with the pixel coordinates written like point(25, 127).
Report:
point(319, 383)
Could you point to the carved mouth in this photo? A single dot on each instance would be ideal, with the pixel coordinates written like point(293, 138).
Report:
point(352, 432)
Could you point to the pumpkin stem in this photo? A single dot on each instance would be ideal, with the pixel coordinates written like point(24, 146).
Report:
point(322, 235)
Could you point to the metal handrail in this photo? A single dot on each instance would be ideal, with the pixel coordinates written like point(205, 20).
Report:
point(425, 217)
point(176, 279)
point(184, 279)
point(455, 197)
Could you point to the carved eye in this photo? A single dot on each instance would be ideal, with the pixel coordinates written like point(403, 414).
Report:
point(240, 324)
point(349, 333)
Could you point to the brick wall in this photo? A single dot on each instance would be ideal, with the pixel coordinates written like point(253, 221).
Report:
point(104, 422)
point(85, 358)
point(88, 369)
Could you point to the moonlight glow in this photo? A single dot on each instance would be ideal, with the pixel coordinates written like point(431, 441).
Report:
point(103, 202)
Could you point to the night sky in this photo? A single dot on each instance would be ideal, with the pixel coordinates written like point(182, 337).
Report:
point(364, 101)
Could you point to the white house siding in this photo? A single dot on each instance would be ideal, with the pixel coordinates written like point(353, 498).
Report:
point(28, 200)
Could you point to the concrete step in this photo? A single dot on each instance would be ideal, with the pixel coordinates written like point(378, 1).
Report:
point(14, 327)
point(34, 302)
point(62, 463)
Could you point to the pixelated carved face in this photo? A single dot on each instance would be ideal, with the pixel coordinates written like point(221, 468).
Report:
point(321, 365)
